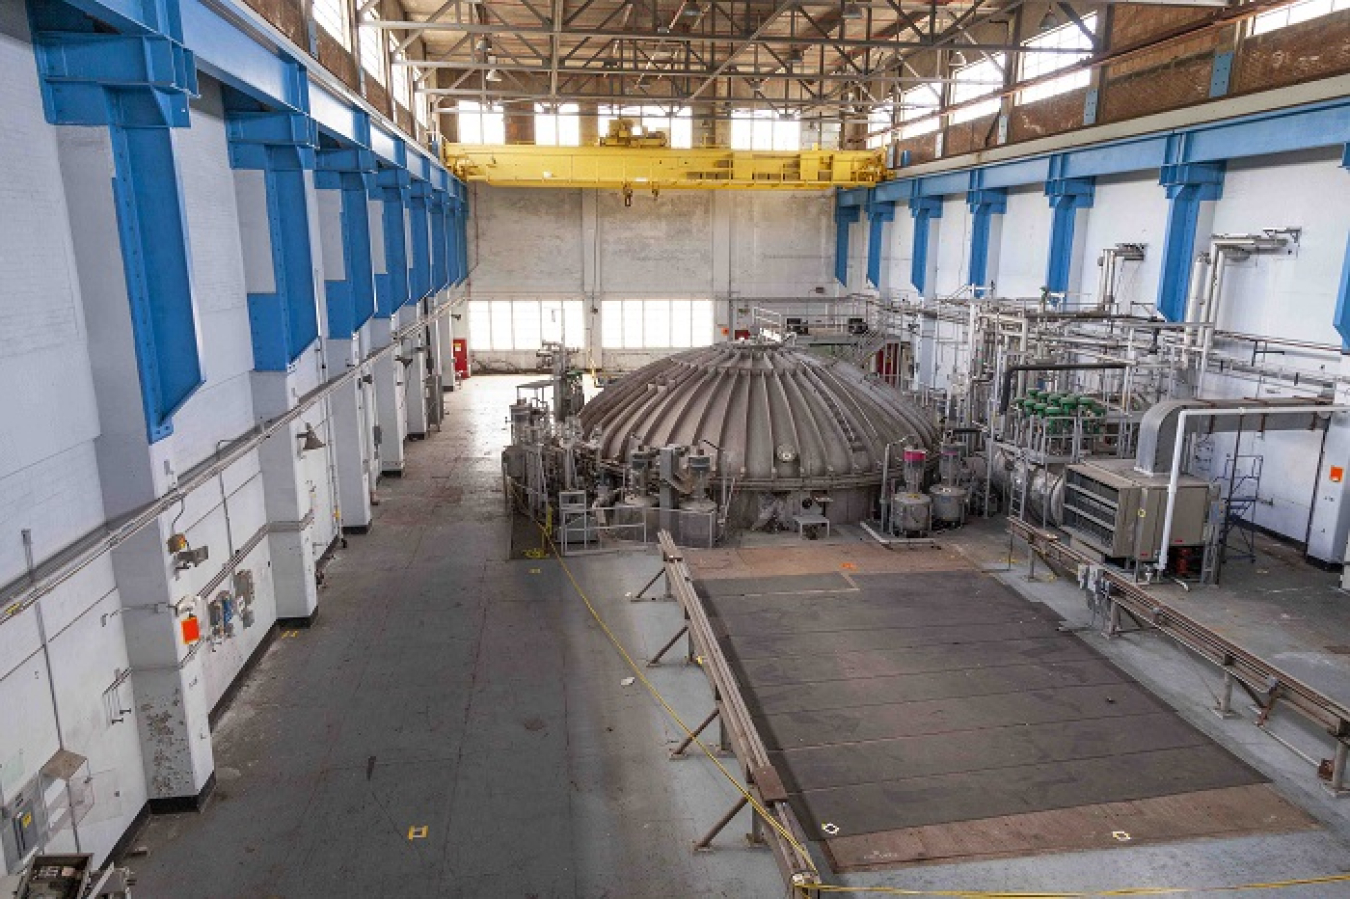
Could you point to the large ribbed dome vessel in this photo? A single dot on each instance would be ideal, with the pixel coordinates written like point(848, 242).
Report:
point(774, 417)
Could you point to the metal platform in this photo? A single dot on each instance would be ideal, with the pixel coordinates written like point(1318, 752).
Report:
point(915, 715)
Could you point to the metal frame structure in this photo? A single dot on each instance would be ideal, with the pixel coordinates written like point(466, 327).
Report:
point(826, 58)
point(1265, 684)
point(738, 734)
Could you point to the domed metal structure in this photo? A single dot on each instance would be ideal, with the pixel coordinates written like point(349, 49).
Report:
point(774, 418)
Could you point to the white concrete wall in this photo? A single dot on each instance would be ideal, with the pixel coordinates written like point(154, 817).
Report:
point(49, 476)
point(70, 448)
point(741, 246)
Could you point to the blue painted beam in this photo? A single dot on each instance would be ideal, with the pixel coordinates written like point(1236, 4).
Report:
point(984, 204)
point(284, 323)
point(1187, 187)
point(392, 186)
point(1342, 317)
point(138, 86)
point(419, 250)
point(878, 214)
point(1315, 125)
point(1066, 196)
point(844, 216)
point(437, 211)
point(155, 257)
point(854, 196)
point(351, 301)
point(923, 210)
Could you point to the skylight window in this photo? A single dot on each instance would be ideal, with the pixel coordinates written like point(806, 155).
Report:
point(481, 123)
point(557, 126)
point(1295, 13)
point(1036, 65)
point(974, 81)
point(764, 129)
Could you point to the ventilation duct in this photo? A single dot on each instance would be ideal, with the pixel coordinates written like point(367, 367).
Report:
point(1158, 428)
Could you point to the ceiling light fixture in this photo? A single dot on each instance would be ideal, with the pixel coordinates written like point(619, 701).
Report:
point(957, 58)
point(851, 10)
point(1048, 21)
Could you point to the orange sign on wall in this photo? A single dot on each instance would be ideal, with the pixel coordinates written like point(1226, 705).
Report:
point(1337, 474)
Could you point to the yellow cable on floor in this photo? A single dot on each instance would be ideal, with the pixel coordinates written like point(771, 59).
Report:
point(674, 716)
point(768, 817)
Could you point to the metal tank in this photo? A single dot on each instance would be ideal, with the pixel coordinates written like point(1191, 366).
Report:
point(1044, 486)
point(774, 419)
point(949, 498)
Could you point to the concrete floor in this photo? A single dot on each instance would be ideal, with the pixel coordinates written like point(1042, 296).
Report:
point(450, 686)
point(446, 685)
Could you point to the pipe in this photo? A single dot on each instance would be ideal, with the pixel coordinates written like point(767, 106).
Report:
point(1011, 372)
point(93, 545)
point(1174, 479)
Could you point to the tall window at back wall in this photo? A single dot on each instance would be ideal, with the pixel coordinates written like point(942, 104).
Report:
point(1295, 13)
point(481, 123)
point(506, 325)
point(1035, 65)
point(655, 324)
point(879, 121)
point(372, 57)
point(974, 81)
point(919, 103)
point(332, 18)
point(399, 83)
point(764, 129)
point(557, 125)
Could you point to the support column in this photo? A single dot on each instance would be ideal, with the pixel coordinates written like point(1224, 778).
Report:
point(1329, 533)
point(1069, 198)
point(922, 261)
point(878, 214)
point(350, 290)
point(844, 218)
point(987, 207)
point(419, 288)
point(284, 297)
point(392, 293)
point(1191, 192)
point(131, 250)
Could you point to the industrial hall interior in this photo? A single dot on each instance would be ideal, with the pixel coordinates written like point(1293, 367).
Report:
point(633, 449)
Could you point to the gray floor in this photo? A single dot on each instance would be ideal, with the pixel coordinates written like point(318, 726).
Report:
point(449, 686)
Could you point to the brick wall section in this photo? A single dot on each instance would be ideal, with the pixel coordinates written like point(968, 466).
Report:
point(1137, 24)
point(1302, 52)
point(376, 95)
point(1054, 115)
point(338, 59)
point(1168, 78)
point(967, 137)
point(287, 15)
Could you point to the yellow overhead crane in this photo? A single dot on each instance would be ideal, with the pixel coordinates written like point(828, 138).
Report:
point(631, 162)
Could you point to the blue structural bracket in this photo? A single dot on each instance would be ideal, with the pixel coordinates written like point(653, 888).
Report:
point(459, 237)
point(419, 250)
point(351, 301)
point(438, 211)
point(1342, 317)
point(282, 145)
point(878, 214)
point(844, 218)
point(1066, 196)
point(1187, 185)
point(984, 204)
point(923, 210)
point(393, 187)
point(136, 83)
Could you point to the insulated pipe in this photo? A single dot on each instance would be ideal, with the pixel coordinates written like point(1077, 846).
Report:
point(1174, 479)
point(1011, 372)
